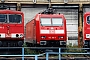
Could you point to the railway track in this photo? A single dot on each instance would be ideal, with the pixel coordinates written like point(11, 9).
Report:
point(44, 58)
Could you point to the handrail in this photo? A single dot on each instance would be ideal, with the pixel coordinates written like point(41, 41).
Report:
point(22, 55)
point(47, 53)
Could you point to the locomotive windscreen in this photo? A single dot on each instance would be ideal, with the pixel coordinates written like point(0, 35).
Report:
point(15, 18)
point(46, 21)
point(12, 18)
point(57, 22)
point(3, 17)
point(88, 19)
point(51, 21)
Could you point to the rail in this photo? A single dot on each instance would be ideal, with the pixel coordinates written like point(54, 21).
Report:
point(60, 53)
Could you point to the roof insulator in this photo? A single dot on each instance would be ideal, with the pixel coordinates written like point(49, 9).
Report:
point(48, 11)
point(2, 1)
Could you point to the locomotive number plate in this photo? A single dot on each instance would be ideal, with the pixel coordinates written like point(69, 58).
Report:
point(52, 31)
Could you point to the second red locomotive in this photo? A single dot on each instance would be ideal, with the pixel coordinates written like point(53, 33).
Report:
point(47, 29)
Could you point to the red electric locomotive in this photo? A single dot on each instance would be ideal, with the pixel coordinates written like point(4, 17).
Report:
point(11, 28)
point(47, 29)
point(86, 30)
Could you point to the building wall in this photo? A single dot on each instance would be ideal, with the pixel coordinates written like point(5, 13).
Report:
point(71, 16)
point(30, 13)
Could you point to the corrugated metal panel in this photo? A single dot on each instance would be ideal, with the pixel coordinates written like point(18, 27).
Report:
point(30, 13)
point(71, 16)
point(72, 27)
point(12, 7)
point(86, 9)
point(72, 22)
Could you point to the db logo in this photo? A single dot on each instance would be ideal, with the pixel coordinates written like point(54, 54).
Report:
point(51, 31)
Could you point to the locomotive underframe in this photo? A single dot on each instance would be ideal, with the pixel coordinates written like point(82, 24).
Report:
point(47, 43)
point(53, 43)
point(11, 43)
point(87, 43)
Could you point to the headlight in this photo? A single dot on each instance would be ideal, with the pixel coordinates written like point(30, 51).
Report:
point(62, 42)
point(2, 35)
point(43, 37)
point(21, 35)
point(60, 37)
point(87, 35)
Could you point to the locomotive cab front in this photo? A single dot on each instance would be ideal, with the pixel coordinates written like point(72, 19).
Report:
point(52, 30)
point(86, 30)
point(11, 28)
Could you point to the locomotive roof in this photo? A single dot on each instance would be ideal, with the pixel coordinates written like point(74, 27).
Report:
point(10, 12)
point(48, 15)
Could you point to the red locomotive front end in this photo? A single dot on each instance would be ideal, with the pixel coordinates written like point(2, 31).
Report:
point(51, 30)
point(11, 28)
point(86, 30)
point(47, 29)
